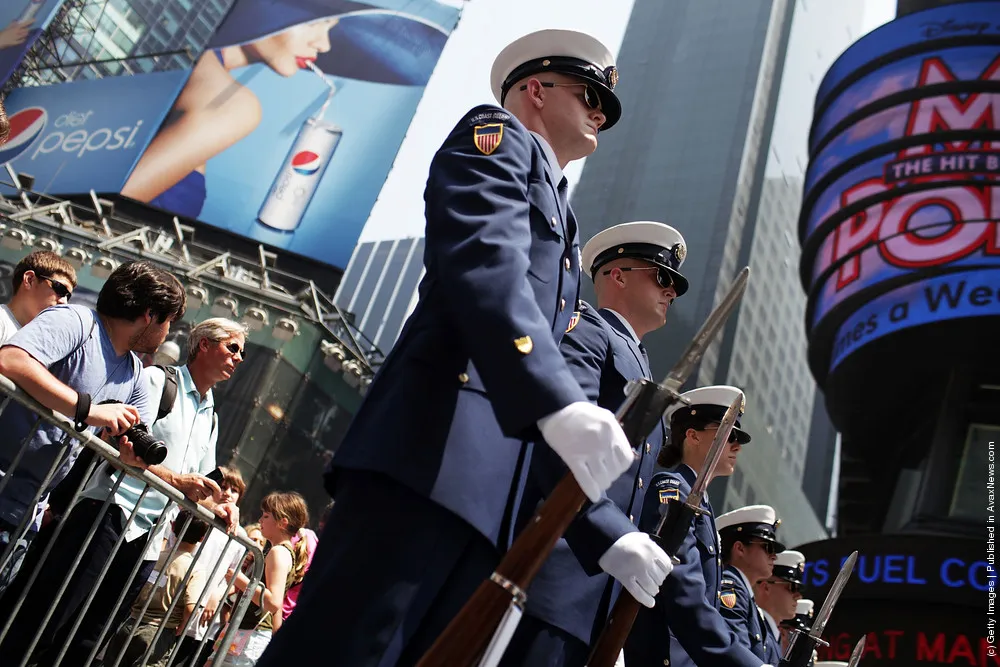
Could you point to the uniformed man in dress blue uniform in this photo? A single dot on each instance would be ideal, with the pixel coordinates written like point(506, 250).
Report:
point(635, 267)
point(777, 596)
point(427, 478)
point(685, 628)
point(749, 547)
point(802, 621)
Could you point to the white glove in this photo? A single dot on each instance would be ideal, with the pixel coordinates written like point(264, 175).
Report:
point(591, 442)
point(639, 564)
point(620, 662)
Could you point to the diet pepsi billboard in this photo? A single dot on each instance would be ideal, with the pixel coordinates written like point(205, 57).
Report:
point(21, 22)
point(74, 137)
point(292, 118)
point(900, 224)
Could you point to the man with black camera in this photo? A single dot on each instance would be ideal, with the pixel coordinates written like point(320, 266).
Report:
point(81, 363)
point(189, 427)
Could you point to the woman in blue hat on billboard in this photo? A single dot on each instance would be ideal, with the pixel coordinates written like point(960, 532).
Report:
point(216, 109)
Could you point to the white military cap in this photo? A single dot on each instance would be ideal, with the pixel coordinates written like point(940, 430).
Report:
point(759, 521)
point(709, 404)
point(565, 52)
point(803, 616)
point(790, 566)
point(653, 242)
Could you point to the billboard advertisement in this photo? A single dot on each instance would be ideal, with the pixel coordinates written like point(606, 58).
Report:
point(292, 118)
point(900, 224)
point(74, 137)
point(21, 22)
point(917, 599)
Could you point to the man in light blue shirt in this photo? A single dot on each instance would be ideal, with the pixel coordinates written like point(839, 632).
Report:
point(72, 360)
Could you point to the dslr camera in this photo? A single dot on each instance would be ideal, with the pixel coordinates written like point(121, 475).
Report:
point(146, 447)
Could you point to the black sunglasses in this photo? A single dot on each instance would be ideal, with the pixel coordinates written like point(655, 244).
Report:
point(590, 96)
point(768, 547)
point(663, 278)
point(234, 348)
point(61, 290)
point(732, 433)
point(792, 586)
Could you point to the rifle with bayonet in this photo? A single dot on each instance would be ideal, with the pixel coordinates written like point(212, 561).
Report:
point(670, 533)
point(803, 643)
point(479, 634)
point(856, 654)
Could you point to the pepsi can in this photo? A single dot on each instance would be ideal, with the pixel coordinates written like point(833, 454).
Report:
point(300, 175)
point(30, 11)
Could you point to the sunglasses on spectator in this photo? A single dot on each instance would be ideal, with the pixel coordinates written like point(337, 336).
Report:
point(663, 278)
point(60, 290)
point(590, 96)
point(234, 349)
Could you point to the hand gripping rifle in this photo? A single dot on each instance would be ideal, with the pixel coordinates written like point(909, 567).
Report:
point(802, 645)
point(479, 634)
point(669, 533)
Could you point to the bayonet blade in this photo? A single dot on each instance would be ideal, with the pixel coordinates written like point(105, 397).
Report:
point(719, 446)
point(696, 348)
point(819, 623)
point(859, 648)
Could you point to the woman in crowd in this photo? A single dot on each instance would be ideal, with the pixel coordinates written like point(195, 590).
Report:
point(283, 515)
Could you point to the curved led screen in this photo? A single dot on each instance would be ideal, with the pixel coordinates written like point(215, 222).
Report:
point(901, 204)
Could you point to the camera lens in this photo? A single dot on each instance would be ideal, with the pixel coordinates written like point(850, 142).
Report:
point(146, 447)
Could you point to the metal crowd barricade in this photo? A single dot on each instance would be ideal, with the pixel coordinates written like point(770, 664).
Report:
point(74, 441)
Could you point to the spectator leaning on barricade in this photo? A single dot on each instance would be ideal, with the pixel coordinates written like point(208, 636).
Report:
point(218, 557)
point(163, 586)
point(40, 280)
point(74, 360)
point(190, 431)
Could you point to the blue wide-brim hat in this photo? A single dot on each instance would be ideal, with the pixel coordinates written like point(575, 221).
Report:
point(375, 44)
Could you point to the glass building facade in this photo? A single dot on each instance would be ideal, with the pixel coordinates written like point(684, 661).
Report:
point(718, 98)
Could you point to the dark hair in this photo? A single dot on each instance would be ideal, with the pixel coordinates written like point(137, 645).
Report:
point(728, 540)
point(673, 452)
point(4, 124)
point(135, 287)
point(196, 530)
point(43, 263)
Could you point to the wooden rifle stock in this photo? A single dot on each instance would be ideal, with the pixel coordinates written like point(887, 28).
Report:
point(615, 632)
point(467, 636)
point(670, 536)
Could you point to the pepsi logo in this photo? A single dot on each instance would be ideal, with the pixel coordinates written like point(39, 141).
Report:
point(305, 163)
point(25, 126)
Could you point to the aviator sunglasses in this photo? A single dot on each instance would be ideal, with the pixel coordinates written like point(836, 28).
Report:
point(663, 278)
point(590, 96)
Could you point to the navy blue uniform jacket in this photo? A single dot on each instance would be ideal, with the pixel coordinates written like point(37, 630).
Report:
point(773, 639)
point(688, 602)
point(741, 611)
point(567, 592)
point(477, 363)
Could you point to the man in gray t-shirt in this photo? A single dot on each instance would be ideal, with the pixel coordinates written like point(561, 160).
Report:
point(72, 360)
